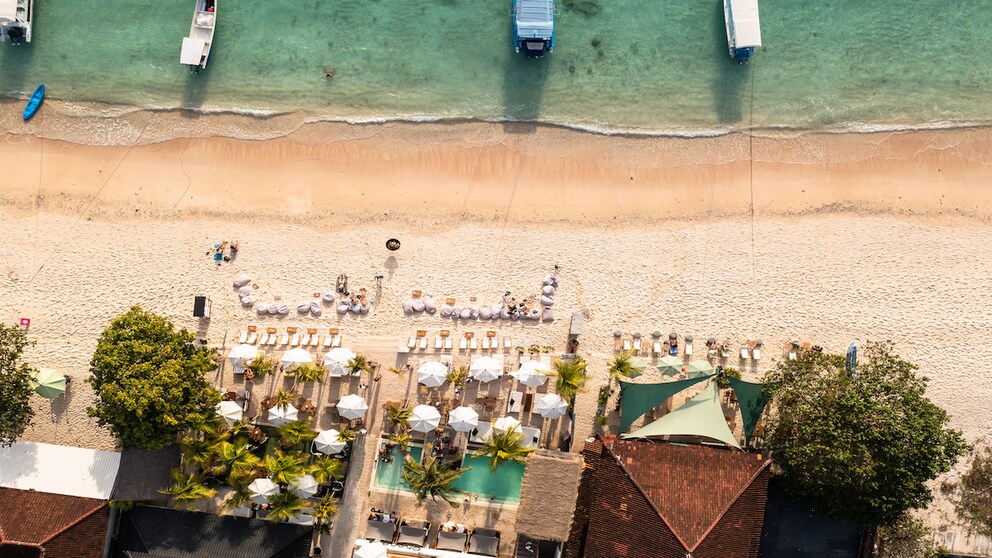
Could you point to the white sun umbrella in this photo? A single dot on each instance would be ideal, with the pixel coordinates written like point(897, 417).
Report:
point(432, 373)
point(295, 357)
point(352, 406)
point(531, 373)
point(242, 355)
point(336, 361)
point(463, 419)
point(552, 406)
point(304, 486)
point(329, 442)
point(261, 489)
point(424, 418)
point(230, 411)
point(486, 369)
point(371, 550)
point(282, 414)
point(503, 424)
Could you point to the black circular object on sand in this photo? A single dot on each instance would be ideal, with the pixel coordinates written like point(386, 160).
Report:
point(392, 245)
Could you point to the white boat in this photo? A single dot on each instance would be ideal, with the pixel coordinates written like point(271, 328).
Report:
point(196, 47)
point(15, 20)
point(743, 28)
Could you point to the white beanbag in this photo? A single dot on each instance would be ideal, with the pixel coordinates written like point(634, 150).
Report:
point(283, 309)
point(408, 307)
point(485, 313)
point(547, 300)
point(418, 306)
point(430, 306)
point(446, 311)
point(241, 280)
point(303, 307)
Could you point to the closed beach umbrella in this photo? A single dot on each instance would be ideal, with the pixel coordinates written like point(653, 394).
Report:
point(503, 424)
point(230, 411)
point(424, 418)
point(463, 419)
point(352, 407)
point(295, 357)
point(329, 442)
point(486, 369)
point(242, 355)
point(698, 368)
point(670, 365)
point(282, 414)
point(304, 486)
point(261, 489)
point(552, 406)
point(336, 361)
point(48, 383)
point(531, 373)
point(432, 373)
point(371, 550)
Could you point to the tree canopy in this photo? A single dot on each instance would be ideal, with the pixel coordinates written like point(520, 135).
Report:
point(974, 503)
point(149, 381)
point(862, 447)
point(15, 384)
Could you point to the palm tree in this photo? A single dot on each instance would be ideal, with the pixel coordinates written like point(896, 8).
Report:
point(261, 366)
point(188, 488)
point(397, 370)
point(621, 367)
point(197, 452)
point(571, 378)
point(502, 447)
point(283, 398)
point(347, 435)
point(359, 364)
point(401, 439)
point(283, 467)
point(398, 415)
point(324, 511)
point(284, 506)
point(433, 478)
point(325, 469)
point(295, 434)
point(310, 372)
point(458, 376)
point(236, 457)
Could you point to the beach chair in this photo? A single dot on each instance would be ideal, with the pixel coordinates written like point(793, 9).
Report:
point(377, 530)
point(637, 344)
point(688, 347)
point(484, 542)
point(485, 343)
point(656, 347)
point(463, 344)
point(252, 337)
point(745, 352)
point(438, 343)
point(513, 404)
point(756, 352)
point(626, 345)
point(284, 340)
point(411, 343)
point(264, 339)
point(423, 343)
point(473, 344)
point(337, 341)
point(328, 339)
point(452, 541)
point(507, 343)
point(294, 341)
point(314, 338)
point(305, 342)
point(244, 337)
point(413, 532)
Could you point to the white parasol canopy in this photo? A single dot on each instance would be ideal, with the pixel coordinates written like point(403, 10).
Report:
point(503, 424)
point(424, 418)
point(336, 361)
point(371, 550)
point(230, 411)
point(486, 369)
point(531, 373)
point(463, 419)
point(261, 489)
point(329, 442)
point(352, 407)
point(282, 414)
point(295, 357)
point(552, 406)
point(304, 486)
point(242, 355)
point(432, 373)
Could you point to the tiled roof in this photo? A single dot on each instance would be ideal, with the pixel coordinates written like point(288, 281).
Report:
point(648, 499)
point(63, 525)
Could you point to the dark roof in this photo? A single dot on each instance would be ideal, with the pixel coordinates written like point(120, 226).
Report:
point(165, 532)
point(66, 526)
point(143, 473)
point(649, 499)
point(796, 530)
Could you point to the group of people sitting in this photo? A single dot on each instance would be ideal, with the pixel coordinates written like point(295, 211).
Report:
point(452, 527)
point(383, 516)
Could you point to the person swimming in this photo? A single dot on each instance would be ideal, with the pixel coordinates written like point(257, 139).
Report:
point(329, 74)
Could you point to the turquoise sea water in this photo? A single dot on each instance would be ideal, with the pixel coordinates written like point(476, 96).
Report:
point(643, 65)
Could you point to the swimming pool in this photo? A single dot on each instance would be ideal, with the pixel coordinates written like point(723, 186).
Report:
point(390, 475)
point(501, 486)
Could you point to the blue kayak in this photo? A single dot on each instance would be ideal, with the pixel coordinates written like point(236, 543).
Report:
point(35, 102)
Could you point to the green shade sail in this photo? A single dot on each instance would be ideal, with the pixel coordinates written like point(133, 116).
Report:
point(637, 399)
point(48, 383)
point(670, 365)
point(700, 416)
point(752, 399)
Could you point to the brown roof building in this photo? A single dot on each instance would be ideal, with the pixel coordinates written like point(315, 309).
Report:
point(35, 524)
point(641, 499)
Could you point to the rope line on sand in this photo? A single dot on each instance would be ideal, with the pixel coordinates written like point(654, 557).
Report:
point(182, 165)
point(750, 148)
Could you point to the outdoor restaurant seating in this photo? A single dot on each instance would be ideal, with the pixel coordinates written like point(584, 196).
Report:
point(484, 541)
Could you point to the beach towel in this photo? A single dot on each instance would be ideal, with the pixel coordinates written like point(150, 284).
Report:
point(241, 279)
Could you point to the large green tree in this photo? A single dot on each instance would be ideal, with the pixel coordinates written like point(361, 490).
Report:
point(863, 446)
point(149, 381)
point(15, 386)
point(433, 478)
point(974, 502)
point(502, 447)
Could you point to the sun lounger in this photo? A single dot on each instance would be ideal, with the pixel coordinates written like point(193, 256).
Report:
point(626, 344)
point(423, 343)
point(380, 531)
point(484, 541)
point(411, 343)
point(452, 541)
point(656, 347)
point(252, 338)
point(337, 341)
point(243, 338)
point(637, 344)
point(264, 339)
point(507, 342)
point(438, 343)
point(485, 343)
point(284, 340)
point(463, 344)
point(745, 352)
point(447, 343)
point(414, 533)
point(295, 340)
point(513, 404)
point(473, 344)
point(688, 348)
point(306, 340)
point(756, 353)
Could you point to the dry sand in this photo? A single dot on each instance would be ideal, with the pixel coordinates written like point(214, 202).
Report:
point(828, 239)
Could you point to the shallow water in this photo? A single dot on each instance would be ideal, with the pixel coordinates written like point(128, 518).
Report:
point(640, 65)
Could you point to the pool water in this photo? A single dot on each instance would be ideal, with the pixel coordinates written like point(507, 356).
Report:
point(500, 486)
point(390, 475)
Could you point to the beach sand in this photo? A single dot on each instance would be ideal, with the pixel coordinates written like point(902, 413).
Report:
point(824, 238)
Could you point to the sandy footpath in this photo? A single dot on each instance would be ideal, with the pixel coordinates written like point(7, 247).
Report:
point(852, 238)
